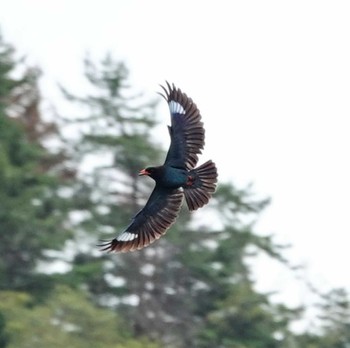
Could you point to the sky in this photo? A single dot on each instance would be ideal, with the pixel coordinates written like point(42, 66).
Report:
point(272, 81)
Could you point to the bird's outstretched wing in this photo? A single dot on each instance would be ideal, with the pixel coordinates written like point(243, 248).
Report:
point(186, 130)
point(150, 223)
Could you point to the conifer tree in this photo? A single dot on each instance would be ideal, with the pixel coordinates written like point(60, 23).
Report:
point(31, 218)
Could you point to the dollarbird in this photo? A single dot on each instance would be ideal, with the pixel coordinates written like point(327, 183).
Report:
point(176, 179)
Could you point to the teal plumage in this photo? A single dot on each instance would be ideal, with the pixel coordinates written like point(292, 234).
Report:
point(176, 179)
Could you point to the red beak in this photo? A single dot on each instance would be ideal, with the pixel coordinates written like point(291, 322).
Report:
point(143, 172)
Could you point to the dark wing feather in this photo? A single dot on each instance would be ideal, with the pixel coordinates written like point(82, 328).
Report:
point(186, 130)
point(150, 223)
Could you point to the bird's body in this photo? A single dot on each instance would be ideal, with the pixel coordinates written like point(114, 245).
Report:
point(168, 176)
point(177, 178)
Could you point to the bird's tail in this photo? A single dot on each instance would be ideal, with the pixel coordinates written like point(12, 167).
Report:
point(200, 185)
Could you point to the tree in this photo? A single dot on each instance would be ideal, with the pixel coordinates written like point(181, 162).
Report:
point(186, 287)
point(334, 322)
point(67, 318)
point(32, 213)
point(335, 318)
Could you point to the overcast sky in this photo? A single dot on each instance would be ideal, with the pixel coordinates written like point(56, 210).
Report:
point(271, 78)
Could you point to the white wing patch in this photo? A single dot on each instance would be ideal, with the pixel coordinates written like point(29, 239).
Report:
point(127, 236)
point(176, 108)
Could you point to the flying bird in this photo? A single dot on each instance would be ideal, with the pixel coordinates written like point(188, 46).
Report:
point(176, 179)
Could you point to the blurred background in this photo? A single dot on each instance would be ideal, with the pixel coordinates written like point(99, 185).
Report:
point(265, 263)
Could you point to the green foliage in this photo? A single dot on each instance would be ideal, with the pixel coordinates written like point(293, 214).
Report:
point(245, 318)
point(7, 84)
point(335, 322)
point(335, 315)
point(31, 214)
point(3, 334)
point(66, 319)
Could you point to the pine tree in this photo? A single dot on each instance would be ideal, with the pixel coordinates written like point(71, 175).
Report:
point(332, 330)
point(31, 218)
point(335, 319)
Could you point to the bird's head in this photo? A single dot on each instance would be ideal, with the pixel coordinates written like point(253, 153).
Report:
point(152, 172)
point(149, 171)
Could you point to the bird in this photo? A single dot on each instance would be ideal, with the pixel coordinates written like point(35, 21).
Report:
point(177, 179)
